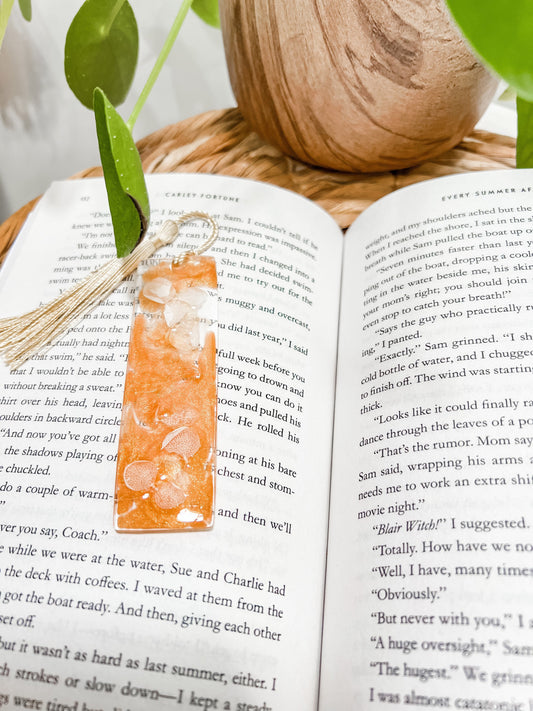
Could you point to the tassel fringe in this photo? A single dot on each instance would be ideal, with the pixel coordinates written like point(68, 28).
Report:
point(22, 337)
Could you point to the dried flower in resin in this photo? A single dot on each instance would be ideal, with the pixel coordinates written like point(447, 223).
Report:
point(166, 460)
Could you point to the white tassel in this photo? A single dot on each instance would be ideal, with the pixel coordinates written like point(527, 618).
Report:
point(21, 337)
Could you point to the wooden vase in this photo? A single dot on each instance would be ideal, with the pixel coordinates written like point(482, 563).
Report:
point(353, 85)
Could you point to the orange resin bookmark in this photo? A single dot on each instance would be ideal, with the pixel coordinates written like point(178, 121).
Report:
point(166, 460)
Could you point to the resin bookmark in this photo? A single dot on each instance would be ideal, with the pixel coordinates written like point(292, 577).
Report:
point(166, 460)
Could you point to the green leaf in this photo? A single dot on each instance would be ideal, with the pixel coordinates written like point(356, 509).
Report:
point(5, 11)
point(25, 8)
point(101, 50)
point(501, 33)
point(524, 144)
point(124, 177)
point(207, 10)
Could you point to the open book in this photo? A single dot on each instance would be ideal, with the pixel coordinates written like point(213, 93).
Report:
point(372, 545)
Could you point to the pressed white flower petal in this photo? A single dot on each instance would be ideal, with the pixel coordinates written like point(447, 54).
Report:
point(175, 310)
point(193, 296)
point(140, 475)
point(183, 440)
point(185, 335)
point(168, 496)
point(159, 290)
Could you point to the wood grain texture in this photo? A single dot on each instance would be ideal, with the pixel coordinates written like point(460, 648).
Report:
point(360, 85)
point(221, 142)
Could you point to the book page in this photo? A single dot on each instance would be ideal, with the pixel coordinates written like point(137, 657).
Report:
point(224, 619)
point(428, 595)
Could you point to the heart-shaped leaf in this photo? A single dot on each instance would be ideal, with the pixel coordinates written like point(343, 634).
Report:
point(207, 10)
point(101, 50)
point(501, 33)
point(124, 177)
point(25, 8)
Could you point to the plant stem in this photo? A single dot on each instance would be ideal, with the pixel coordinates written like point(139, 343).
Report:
point(5, 10)
point(112, 16)
point(165, 51)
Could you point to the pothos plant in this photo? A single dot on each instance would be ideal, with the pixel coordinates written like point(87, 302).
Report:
point(501, 34)
point(101, 50)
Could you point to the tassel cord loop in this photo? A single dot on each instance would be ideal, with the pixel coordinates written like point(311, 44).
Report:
point(21, 337)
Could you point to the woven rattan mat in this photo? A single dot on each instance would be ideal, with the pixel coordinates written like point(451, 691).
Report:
point(220, 142)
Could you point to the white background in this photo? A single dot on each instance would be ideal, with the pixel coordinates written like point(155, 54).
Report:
point(45, 134)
